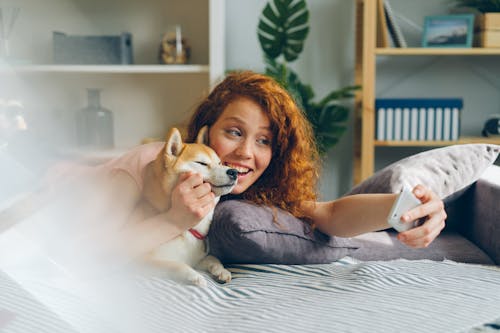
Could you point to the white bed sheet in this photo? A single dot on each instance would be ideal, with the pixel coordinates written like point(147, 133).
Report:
point(345, 296)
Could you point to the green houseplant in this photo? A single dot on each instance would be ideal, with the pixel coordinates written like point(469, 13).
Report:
point(282, 30)
point(484, 6)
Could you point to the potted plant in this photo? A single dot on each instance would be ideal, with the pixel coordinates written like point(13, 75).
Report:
point(282, 30)
point(484, 6)
point(488, 34)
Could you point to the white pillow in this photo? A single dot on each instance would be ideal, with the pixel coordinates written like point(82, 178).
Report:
point(444, 170)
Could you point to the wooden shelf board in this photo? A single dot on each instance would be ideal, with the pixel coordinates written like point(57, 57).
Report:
point(124, 69)
point(435, 51)
point(462, 140)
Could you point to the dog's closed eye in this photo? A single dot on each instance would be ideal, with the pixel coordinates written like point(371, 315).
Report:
point(202, 163)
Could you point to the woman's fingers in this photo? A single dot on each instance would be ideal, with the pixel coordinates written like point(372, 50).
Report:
point(432, 210)
point(192, 185)
point(192, 198)
point(425, 209)
point(423, 235)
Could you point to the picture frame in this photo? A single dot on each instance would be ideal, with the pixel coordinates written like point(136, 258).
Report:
point(448, 31)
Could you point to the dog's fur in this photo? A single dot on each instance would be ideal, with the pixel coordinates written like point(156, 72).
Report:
point(179, 255)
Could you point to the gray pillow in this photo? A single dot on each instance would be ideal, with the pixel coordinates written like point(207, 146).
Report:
point(242, 232)
point(445, 170)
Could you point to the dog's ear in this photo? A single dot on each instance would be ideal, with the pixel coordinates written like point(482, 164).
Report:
point(174, 142)
point(202, 136)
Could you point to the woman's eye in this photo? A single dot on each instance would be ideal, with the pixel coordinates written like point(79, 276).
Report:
point(202, 163)
point(233, 132)
point(265, 142)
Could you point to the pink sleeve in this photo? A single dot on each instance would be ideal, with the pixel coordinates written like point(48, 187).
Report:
point(134, 161)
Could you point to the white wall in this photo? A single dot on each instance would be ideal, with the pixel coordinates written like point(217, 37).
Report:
point(327, 63)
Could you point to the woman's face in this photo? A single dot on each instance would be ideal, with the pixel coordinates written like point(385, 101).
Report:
point(242, 138)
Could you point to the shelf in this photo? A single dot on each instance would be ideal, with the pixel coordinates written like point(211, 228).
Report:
point(118, 69)
point(434, 51)
point(462, 140)
point(368, 33)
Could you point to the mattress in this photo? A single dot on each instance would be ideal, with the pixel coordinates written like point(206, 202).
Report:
point(344, 296)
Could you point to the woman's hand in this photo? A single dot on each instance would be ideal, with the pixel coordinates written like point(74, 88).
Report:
point(432, 210)
point(191, 199)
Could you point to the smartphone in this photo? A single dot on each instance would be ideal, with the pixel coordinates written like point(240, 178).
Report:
point(405, 201)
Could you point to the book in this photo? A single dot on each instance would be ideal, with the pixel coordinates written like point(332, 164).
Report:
point(392, 26)
point(455, 123)
point(447, 124)
point(438, 120)
point(422, 114)
point(380, 124)
point(389, 124)
point(382, 33)
point(406, 124)
point(429, 124)
point(397, 124)
point(414, 124)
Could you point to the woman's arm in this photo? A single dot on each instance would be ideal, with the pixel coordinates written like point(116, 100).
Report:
point(353, 215)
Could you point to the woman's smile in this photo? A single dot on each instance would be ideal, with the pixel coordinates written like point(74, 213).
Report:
point(242, 138)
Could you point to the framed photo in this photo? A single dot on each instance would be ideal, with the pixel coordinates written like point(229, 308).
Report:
point(448, 31)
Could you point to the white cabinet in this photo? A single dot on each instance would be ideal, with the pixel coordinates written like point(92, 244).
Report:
point(146, 98)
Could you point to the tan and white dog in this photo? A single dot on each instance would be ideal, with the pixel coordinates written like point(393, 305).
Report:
point(188, 250)
point(129, 209)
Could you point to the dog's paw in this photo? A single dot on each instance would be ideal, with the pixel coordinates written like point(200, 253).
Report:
point(197, 280)
point(223, 275)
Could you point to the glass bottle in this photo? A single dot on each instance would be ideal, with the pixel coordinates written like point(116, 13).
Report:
point(95, 123)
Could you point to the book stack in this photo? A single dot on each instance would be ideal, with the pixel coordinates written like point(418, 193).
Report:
point(418, 119)
point(488, 30)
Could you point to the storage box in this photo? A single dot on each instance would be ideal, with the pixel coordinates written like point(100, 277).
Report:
point(92, 50)
point(488, 38)
point(488, 30)
point(418, 119)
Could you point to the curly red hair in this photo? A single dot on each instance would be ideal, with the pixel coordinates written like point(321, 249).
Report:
point(292, 174)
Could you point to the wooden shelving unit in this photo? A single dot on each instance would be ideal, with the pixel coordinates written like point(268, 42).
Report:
point(418, 51)
point(462, 140)
point(365, 76)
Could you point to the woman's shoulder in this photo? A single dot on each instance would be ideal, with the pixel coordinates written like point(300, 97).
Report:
point(135, 160)
point(144, 153)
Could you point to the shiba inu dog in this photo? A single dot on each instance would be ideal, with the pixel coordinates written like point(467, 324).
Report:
point(80, 203)
point(188, 250)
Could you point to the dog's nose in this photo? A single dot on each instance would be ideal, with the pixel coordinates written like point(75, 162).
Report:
point(232, 173)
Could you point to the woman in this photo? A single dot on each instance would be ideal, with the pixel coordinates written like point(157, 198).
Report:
point(256, 127)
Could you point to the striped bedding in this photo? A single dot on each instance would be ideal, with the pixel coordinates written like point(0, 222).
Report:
point(345, 296)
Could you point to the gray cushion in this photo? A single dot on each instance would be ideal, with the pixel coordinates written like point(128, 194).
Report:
point(242, 232)
point(484, 213)
point(445, 170)
point(384, 245)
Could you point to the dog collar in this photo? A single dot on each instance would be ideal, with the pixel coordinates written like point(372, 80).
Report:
point(197, 234)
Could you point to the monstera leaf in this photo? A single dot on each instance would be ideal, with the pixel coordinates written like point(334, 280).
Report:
point(283, 27)
point(282, 30)
point(485, 6)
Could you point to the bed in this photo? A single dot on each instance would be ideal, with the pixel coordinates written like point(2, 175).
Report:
point(348, 293)
point(344, 296)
